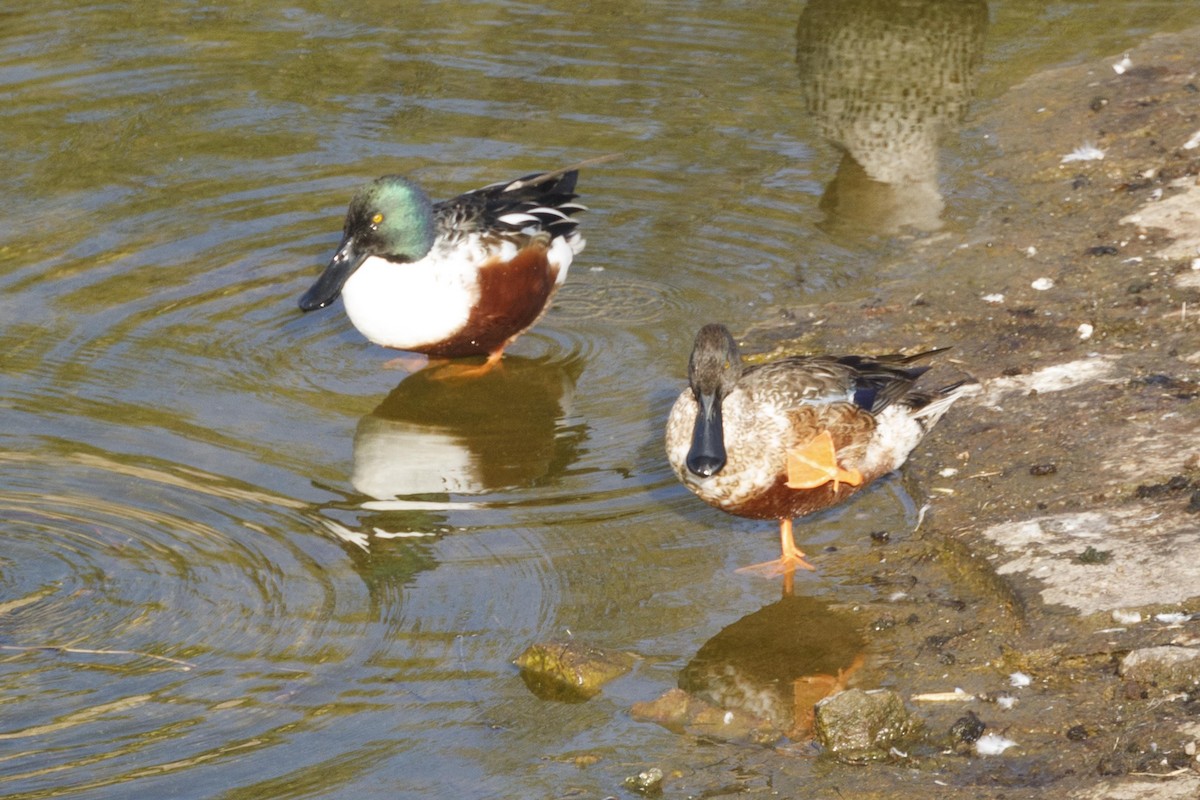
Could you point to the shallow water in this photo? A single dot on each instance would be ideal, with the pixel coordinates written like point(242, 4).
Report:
point(266, 565)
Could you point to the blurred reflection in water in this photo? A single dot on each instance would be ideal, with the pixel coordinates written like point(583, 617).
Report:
point(884, 81)
point(433, 440)
point(502, 430)
point(760, 676)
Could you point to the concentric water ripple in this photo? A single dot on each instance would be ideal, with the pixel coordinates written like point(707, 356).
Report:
point(139, 601)
point(621, 301)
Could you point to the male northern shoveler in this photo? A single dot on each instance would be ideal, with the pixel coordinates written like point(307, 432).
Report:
point(460, 277)
point(794, 436)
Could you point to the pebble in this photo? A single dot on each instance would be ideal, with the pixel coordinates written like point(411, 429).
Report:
point(648, 782)
point(967, 729)
point(1042, 284)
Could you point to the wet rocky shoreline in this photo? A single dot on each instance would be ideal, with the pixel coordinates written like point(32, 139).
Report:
point(1062, 538)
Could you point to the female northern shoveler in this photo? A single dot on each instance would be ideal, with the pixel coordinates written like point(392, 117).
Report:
point(460, 277)
point(797, 435)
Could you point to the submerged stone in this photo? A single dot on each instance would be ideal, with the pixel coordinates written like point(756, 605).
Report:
point(857, 725)
point(569, 671)
point(678, 711)
point(648, 782)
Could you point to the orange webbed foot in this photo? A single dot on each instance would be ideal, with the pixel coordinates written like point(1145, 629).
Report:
point(780, 566)
point(815, 464)
point(791, 557)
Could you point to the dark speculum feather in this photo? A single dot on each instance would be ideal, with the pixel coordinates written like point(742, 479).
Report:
point(880, 382)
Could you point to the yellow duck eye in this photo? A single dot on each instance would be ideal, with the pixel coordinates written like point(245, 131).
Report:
point(378, 218)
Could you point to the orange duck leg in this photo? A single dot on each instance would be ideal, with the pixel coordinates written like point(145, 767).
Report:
point(809, 467)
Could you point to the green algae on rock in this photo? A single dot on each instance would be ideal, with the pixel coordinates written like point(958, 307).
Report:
point(569, 671)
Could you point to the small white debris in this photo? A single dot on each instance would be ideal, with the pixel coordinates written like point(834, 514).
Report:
point(728, 717)
point(1006, 701)
point(1192, 143)
point(1156, 194)
point(1172, 618)
point(1042, 284)
point(1020, 680)
point(1196, 263)
point(1121, 66)
point(1031, 251)
point(1127, 617)
point(957, 696)
point(948, 472)
point(1086, 330)
point(995, 299)
point(896, 597)
point(921, 515)
point(898, 753)
point(596, 269)
point(993, 744)
point(1088, 152)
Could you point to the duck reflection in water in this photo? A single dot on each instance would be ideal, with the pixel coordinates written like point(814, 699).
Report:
point(759, 678)
point(884, 82)
point(505, 429)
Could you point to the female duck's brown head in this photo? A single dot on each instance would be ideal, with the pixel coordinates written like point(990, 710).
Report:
point(713, 372)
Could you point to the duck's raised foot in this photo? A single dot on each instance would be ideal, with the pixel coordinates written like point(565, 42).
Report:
point(815, 464)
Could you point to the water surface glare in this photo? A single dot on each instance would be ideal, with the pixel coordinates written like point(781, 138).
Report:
point(244, 559)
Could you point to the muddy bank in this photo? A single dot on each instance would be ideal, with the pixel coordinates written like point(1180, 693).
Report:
point(1063, 531)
